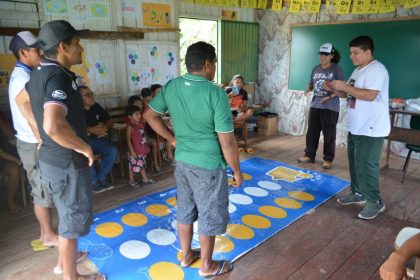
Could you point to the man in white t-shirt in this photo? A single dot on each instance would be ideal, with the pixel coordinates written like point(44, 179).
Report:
point(26, 49)
point(368, 124)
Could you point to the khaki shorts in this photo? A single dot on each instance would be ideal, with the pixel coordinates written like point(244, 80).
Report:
point(72, 195)
point(28, 156)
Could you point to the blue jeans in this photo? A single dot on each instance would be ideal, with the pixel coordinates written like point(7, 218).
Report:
point(108, 153)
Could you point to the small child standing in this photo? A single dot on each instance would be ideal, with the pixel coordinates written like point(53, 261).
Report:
point(137, 144)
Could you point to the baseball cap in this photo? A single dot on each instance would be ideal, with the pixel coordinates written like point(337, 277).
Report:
point(23, 40)
point(56, 31)
point(326, 48)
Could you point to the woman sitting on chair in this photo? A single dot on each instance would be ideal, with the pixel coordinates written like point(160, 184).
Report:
point(238, 98)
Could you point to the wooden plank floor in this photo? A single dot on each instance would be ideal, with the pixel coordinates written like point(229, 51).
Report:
point(329, 243)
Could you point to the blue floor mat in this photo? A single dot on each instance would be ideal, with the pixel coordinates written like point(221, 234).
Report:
point(138, 240)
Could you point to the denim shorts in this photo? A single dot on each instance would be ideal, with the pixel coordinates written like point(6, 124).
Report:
point(202, 195)
point(71, 192)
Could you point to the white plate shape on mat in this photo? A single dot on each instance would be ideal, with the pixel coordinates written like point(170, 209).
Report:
point(268, 185)
point(135, 249)
point(240, 199)
point(232, 208)
point(254, 191)
point(160, 236)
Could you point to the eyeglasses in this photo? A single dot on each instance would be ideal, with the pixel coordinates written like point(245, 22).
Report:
point(89, 94)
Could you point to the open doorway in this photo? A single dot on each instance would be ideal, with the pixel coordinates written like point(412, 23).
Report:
point(194, 30)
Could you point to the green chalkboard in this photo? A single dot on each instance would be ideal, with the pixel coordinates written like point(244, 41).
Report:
point(397, 46)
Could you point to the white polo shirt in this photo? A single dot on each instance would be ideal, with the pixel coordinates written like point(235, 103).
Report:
point(18, 79)
point(370, 118)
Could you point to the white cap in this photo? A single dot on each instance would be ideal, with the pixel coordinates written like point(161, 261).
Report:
point(326, 48)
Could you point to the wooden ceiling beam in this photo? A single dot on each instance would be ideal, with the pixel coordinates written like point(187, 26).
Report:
point(98, 35)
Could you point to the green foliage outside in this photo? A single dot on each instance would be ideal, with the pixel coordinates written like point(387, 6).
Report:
point(194, 30)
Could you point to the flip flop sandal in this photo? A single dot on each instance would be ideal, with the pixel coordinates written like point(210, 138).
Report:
point(82, 256)
point(149, 181)
point(15, 210)
point(219, 270)
point(39, 247)
point(197, 255)
point(135, 185)
point(249, 150)
point(36, 242)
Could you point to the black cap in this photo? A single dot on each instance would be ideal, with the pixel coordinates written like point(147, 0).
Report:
point(23, 40)
point(56, 31)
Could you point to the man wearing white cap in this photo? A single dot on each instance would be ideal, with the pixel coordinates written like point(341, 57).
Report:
point(26, 49)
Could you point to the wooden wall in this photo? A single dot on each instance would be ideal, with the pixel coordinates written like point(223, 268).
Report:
point(115, 91)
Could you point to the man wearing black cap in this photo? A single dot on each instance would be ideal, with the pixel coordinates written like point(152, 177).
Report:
point(65, 155)
point(26, 49)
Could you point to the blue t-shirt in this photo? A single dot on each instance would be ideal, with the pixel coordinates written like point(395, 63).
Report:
point(318, 77)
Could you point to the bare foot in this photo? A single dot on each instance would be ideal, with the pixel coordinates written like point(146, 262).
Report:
point(96, 276)
point(50, 241)
point(190, 257)
point(58, 269)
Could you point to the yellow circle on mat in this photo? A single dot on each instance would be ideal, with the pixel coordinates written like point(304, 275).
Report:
point(240, 231)
point(158, 210)
point(223, 244)
point(287, 203)
point(134, 219)
point(273, 212)
point(256, 221)
point(109, 230)
point(171, 201)
point(195, 264)
point(246, 176)
point(165, 270)
point(304, 196)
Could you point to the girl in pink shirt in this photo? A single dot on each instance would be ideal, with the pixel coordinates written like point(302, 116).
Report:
point(137, 144)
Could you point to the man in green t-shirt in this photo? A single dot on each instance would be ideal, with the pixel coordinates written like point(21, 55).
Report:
point(205, 142)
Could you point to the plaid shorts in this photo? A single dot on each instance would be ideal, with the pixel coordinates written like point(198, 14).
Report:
point(136, 164)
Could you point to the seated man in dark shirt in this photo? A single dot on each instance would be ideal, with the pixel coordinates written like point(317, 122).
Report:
point(98, 123)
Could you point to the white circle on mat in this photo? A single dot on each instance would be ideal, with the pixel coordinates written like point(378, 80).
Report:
point(254, 191)
point(135, 249)
point(232, 208)
point(161, 236)
point(269, 185)
point(240, 199)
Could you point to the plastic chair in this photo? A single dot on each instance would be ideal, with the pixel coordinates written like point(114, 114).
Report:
point(414, 124)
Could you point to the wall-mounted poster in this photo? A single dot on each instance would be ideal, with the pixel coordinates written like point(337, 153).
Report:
point(156, 15)
point(7, 63)
point(99, 10)
point(128, 8)
point(55, 7)
point(229, 15)
point(149, 64)
point(79, 10)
